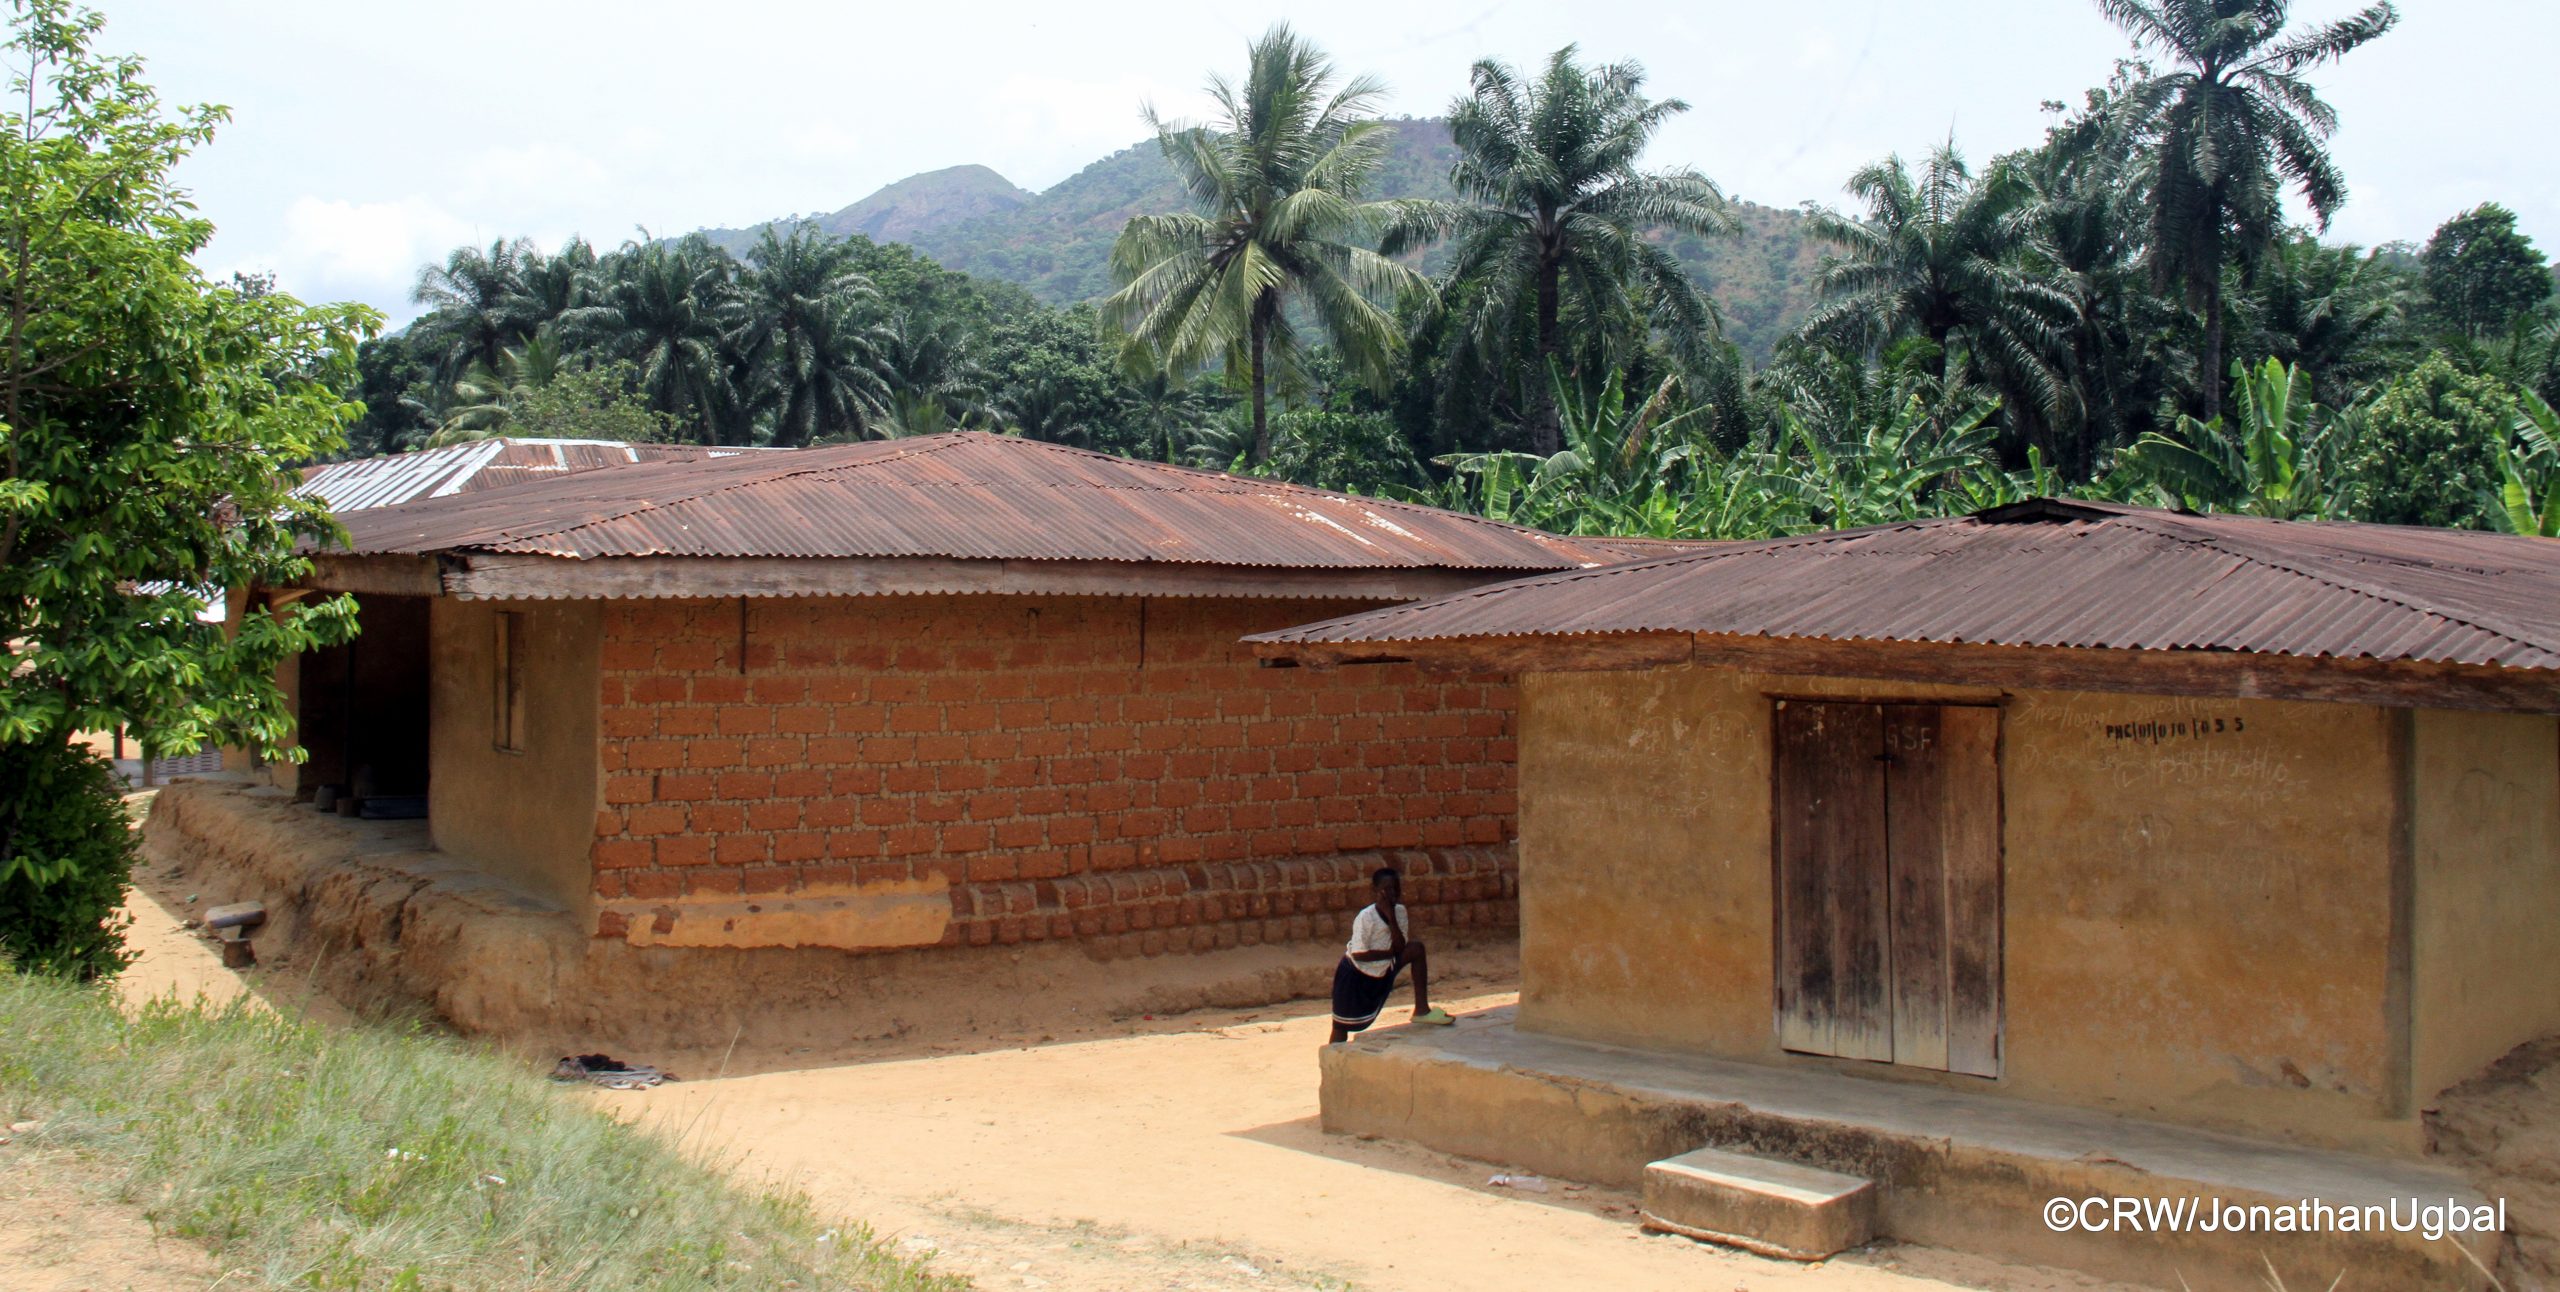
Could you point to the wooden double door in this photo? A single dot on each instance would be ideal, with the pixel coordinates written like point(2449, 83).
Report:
point(1888, 883)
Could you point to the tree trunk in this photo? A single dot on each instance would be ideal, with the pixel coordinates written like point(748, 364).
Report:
point(2213, 348)
point(1261, 419)
point(1546, 431)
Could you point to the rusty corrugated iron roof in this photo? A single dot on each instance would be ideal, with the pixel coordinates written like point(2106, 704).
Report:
point(2051, 573)
point(968, 495)
point(362, 484)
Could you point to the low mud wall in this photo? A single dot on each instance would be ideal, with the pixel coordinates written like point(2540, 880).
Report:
point(384, 921)
point(1968, 1173)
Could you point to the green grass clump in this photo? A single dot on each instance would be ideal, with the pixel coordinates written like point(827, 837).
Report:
point(369, 1157)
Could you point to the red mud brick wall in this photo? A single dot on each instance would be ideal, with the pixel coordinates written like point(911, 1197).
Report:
point(1099, 769)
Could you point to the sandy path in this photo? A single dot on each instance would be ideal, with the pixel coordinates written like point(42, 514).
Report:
point(1187, 1156)
point(1126, 1155)
point(60, 1229)
point(56, 1237)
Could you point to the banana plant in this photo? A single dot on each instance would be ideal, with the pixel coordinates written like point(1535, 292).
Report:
point(2532, 471)
point(1893, 470)
point(2280, 460)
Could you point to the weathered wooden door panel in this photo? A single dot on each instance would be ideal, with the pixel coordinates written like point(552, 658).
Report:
point(1970, 740)
point(1888, 883)
point(1942, 815)
point(1832, 904)
point(1915, 856)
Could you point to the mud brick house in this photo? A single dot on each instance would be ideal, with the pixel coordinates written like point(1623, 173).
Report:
point(388, 742)
point(961, 690)
point(2060, 850)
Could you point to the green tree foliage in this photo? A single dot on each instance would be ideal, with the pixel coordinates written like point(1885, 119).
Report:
point(70, 852)
point(2480, 274)
point(2529, 491)
point(1550, 232)
point(478, 305)
point(149, 419)
point(1360, 453)
point(1279, 220)
point(672, 311)
point(1942, 257)
point(533, 399)
point(804, 336)
point(2231, 123)
point(2428, 454)
point(2063, 305)
point(2280, 461)
point(2337, 313)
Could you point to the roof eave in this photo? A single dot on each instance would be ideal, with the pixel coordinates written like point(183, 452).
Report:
point(2183, 673)
point(490, 576)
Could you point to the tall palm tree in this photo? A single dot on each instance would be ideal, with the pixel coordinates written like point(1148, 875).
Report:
point(805, 336)
point(1166, 410)
point(1276, 185)
point(482, 401)
point(932, 370)
point(2330, 311)
point(2092, 183)
point(1937, 255)
point(1554, 219)
point(476, 304)
point(669, 309)
point(555, 284)
point(2234, 122)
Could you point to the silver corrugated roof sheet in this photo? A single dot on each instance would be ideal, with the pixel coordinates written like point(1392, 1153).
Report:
point(366, 483)
point(2052, 573)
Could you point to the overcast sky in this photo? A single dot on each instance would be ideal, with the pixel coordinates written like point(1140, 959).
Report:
point(372, 135)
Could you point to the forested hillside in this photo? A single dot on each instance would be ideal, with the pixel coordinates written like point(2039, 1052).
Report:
point(1058, 242)
point(1522, 309)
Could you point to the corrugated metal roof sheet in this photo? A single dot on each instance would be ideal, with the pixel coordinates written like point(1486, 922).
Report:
point(2052, 573)
point(968, 495)
point(367, 483)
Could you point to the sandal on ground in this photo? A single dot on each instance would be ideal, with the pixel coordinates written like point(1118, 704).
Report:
point(1435, 1016)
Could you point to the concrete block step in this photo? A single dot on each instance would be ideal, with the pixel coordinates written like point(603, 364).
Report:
point(1758, 1204)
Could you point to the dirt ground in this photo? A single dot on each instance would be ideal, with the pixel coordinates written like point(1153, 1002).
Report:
point(1078, 1150)
point(56, 1236)
point(1183, 1153)
point(2503, 1128)
point(59, 1230)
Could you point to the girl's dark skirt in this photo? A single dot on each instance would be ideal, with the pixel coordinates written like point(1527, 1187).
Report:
point(1357, 997)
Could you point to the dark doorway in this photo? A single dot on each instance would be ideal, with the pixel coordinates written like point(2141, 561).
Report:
point(1888, 883)
point(363, 706)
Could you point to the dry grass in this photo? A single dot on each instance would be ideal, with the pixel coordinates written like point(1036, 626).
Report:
point(376, 1158)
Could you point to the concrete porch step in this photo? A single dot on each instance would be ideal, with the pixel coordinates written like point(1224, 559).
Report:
point(1759, 1204)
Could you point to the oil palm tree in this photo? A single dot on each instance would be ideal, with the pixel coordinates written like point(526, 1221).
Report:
point(482, 401)
point(2234, 120)
point(804, 335)
point(1276, 186)
point(1939, 255)
point(670, 309)
point(1553, 221)
point(931, 366)
point(555, 284)
point(476, 304)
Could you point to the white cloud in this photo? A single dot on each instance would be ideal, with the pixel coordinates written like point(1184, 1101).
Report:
point(336, 249)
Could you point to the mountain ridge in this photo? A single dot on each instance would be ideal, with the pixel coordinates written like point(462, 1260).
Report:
point(1057, 242)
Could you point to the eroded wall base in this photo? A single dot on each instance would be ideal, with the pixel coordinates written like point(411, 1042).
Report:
point(1963, 1171)
point(385, 919)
